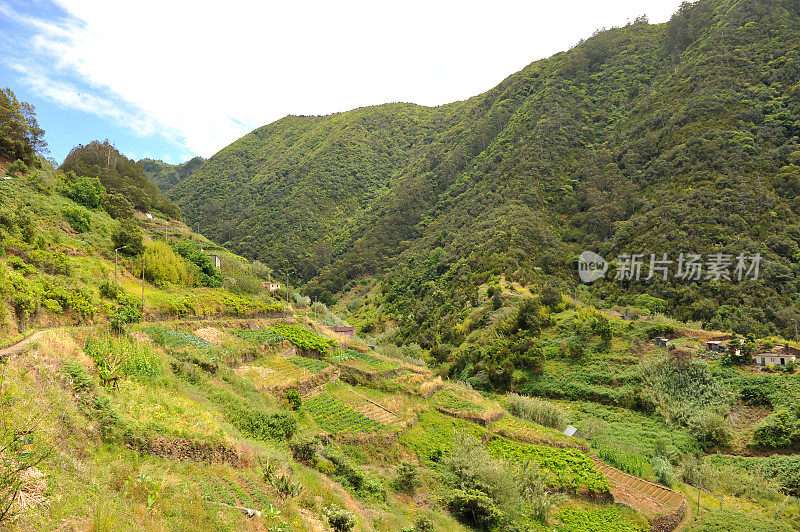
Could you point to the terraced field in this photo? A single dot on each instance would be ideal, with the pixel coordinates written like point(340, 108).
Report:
point(364, 361)
point(450, 401)
point(311, 364)
point(526, 431)
point(336, 417)
point(568, 469)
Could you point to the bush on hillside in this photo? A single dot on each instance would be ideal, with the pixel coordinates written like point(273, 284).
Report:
point(339, 519)
point(78, 218)
point(128, 311)
point(128, 234)
point(117, 206)
point(162, 266)
point(663, 471)
point(207, 274)
point(82, 190)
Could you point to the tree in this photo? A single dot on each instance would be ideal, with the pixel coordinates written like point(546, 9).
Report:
point(83, 190)
point(20, 135)
point(117, 206)
point(129, 235)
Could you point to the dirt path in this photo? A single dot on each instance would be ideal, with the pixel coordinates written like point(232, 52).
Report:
point(20, 346)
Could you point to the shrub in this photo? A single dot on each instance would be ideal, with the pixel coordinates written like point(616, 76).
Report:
point(304, 448)
point(162, 265)
point(78, 218)
point(536, 410)
point(421, 524)
point(475, 507)
point(339, 519)
point(663, 471)
point(129, 234)
point(710, 428)
point(17, 166)
point(207, 274)
point(82, 190)
point(117, 206)
point(407, 479)
point(294, 400)
point(128, 311)
point(109, 290)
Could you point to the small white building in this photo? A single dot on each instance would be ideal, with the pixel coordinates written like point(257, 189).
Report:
point(572, 431)
point(715, 346)
point(661, 341)
point(272, 287)
point(779, 355)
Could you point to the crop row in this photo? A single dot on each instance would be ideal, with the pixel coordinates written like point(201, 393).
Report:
point(450, 401)
point(337, 417)
point(568, 469)
point(170, 338)
point(311, 364)
point(258, 336)
point(304, 338)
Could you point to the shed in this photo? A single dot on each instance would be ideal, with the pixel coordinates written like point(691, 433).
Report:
point(572, 431)
point(148, 216)
point(715, 346)
point(271, 286)
point(660, 340)
point(217, 261)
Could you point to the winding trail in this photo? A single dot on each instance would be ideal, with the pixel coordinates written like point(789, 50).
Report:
point(20, 345)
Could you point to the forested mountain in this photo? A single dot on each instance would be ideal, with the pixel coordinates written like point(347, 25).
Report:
point(669, 138)
point(118, 174)
point(166, 175)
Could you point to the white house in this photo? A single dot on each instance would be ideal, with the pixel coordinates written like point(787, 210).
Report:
point(779, 355)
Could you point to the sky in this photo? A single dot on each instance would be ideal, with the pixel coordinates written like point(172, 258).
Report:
point(172, 79)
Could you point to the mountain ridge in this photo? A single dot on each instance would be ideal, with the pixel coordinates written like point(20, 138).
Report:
point(577, 150)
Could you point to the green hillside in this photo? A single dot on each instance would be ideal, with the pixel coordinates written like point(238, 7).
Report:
point(678, 137)
point(165, 176)
point(119, 175)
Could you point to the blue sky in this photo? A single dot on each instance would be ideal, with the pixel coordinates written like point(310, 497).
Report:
point(178, 78)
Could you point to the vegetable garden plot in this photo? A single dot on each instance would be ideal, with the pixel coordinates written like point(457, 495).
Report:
point(450, 401)
point(568, 469)
point(258, 336)
point(304, 338)
point(337, 417)
point(311, 364)
point(372, 362)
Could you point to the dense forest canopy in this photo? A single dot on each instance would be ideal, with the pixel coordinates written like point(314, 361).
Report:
point(118, 174)
point(166, 176)
point(667, 138)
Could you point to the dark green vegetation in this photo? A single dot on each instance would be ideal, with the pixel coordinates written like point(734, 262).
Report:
point(119, 175)
point(646, 138)
point(21, 138)
point(167, 176)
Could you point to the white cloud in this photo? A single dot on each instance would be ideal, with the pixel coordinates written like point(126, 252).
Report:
point(205, 73)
